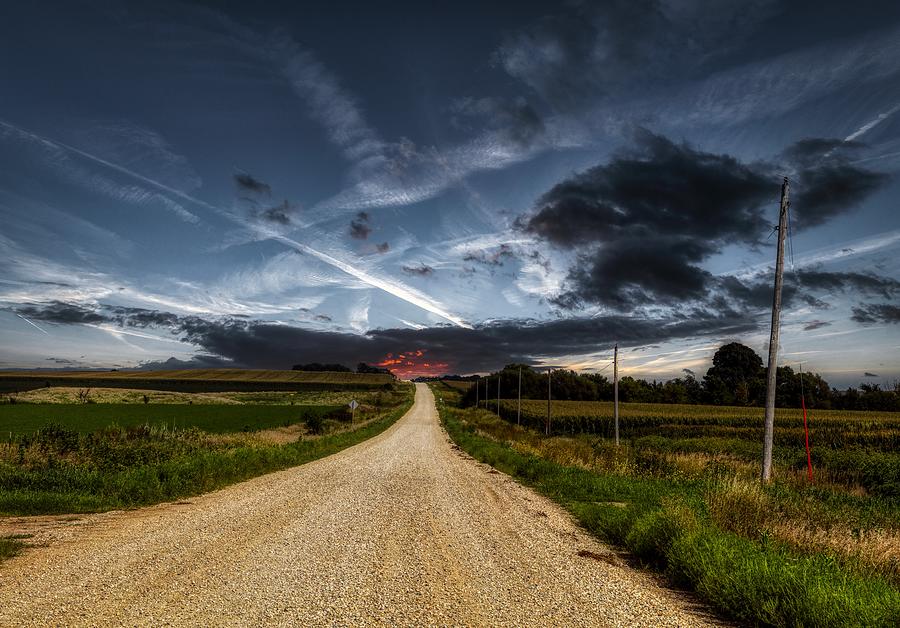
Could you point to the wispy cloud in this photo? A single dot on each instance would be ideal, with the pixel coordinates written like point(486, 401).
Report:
point(56, 155)
point(395, 288)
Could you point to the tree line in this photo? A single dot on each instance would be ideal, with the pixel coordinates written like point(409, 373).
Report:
point(737, 377)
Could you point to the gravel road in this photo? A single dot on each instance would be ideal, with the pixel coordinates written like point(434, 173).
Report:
point(403, 529)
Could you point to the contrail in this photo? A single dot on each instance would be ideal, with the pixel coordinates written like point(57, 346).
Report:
point(398, 290)
point(32, 324)
point(871, 124)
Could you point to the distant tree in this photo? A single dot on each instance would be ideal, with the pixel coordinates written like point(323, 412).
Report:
point(362, 367)
point(318, 367)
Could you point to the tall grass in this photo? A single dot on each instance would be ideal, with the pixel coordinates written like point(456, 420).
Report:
point(710, 532)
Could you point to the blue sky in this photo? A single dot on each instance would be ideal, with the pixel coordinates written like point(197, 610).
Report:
point(225, 184)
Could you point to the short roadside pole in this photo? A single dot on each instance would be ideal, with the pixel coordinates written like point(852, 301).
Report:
point(353, 406)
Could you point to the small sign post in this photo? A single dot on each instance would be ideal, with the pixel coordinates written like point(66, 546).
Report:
point(353, 406)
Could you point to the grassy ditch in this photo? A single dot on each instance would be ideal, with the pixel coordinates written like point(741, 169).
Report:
point(679, 523)
point(62, 471)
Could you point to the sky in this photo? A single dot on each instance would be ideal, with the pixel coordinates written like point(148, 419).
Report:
point(449, 187)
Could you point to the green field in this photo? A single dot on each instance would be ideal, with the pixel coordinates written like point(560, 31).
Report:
point(65, 458)
point(22, 418)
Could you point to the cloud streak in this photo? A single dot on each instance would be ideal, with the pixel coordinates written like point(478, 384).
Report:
point(391, 287)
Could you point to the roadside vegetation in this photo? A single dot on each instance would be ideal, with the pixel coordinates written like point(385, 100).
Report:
point(681, 494)
point(123, 457)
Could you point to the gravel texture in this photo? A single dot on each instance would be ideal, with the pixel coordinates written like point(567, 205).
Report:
point(403, 529)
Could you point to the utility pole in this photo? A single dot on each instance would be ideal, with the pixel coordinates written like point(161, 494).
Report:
point(547, 429)
point(477, 391)
point(487, 391)
point(519, 409)
point(772, 371)
point(498, 393)
point(616, 390)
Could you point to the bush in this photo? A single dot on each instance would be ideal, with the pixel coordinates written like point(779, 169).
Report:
point(315, 424)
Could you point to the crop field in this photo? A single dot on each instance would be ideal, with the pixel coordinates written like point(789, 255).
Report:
point(682, 493)
point(860, 449)
point(22, 418)
point(197, 380)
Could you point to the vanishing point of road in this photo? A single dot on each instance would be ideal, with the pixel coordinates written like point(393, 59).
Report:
point(402, 529)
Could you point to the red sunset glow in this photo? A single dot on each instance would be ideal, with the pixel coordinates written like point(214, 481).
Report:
point(409, 364)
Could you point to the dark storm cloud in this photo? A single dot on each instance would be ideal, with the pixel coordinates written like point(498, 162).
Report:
point(632, 272)
point(63, 313)
point(817, 324)
point(138, 317)
point(248, 183)
point(256, 344)
point(643, 223)
point(847, 282)
point(868, 313)
point(421, 270)
point(868, 374)
point(360, 227)
point(656, 188)
point(801, 286)
point(827, 183)
point(382, 248)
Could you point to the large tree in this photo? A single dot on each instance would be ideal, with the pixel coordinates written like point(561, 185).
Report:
point(735, 376)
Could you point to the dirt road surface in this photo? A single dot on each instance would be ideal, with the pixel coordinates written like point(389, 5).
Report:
point(403, 529)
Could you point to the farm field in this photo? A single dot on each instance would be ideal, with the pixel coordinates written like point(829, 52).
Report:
point(682, 494)
point(84, 457)
point(65, 394)
point(196, 380)
point(856, 450)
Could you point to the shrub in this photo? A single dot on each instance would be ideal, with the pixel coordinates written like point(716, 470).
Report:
point(315, 424)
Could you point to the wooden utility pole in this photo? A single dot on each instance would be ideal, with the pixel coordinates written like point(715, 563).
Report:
point(477, 391)
point(616, 390)
point(772, 371)
point(547, 429)
point(519, 408)
point(487, 391)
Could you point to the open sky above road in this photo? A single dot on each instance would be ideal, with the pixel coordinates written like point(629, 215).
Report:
point(448, 187)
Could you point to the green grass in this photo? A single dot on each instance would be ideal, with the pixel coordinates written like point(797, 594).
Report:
point(665, 522)
point(28, 418)
point(115, 469)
